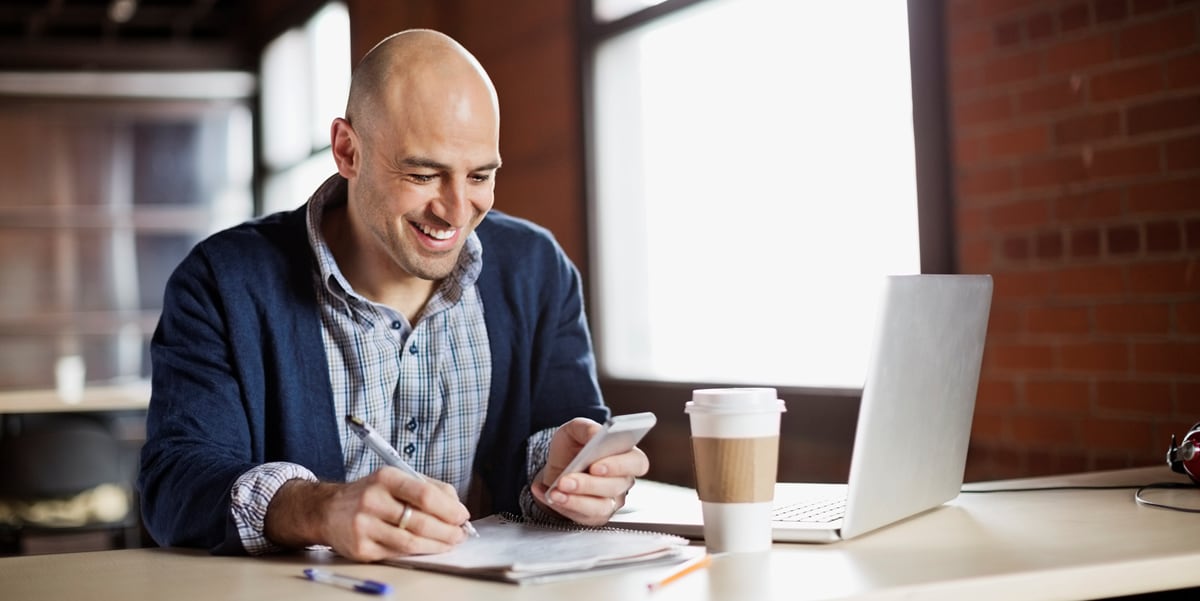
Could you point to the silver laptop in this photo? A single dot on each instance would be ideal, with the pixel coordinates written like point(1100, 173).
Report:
point(910, 446)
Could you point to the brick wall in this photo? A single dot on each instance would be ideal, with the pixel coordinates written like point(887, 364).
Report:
point(1076, 136)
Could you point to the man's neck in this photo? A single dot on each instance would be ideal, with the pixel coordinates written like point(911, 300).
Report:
point(378, 281)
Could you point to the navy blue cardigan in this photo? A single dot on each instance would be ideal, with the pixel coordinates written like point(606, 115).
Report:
point(240, 376)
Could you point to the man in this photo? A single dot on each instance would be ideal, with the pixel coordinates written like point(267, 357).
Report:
point(393, 295)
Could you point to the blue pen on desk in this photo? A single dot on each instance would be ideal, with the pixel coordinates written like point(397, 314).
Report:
point(371, 587)
point(376, 443)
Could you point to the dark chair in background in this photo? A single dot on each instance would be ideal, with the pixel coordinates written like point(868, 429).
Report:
point(66, 484)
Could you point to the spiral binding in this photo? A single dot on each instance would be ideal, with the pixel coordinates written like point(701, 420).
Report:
point(507, 517)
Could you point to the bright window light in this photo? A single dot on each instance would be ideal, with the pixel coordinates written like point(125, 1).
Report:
point(754, 179)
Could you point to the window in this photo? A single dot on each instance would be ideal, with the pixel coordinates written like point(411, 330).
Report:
point(305, 80)
point(753, 177)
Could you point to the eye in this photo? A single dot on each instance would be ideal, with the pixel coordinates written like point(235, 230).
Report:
point(421, 178)
point(480, 178)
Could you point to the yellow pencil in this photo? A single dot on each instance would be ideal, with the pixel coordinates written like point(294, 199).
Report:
point(696, 564)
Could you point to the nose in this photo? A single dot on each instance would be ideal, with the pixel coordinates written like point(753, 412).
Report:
point(452, 205)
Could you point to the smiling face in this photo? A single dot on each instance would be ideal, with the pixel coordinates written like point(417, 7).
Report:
point(421, 167)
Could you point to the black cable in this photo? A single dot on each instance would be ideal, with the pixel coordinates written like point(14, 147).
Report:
point(1137, 495)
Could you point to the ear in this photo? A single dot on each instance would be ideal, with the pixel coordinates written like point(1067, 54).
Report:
point(345, 146)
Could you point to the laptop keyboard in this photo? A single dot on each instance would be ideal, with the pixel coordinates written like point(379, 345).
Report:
point(825, 510)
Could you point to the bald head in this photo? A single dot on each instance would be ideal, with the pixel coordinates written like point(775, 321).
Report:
point(414, 63)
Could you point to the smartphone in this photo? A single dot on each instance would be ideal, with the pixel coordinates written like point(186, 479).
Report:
point(619, 434)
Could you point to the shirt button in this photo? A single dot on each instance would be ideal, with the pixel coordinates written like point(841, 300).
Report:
point(412, 425)
point(412, 350)
point(396, 325)
point(409, 449)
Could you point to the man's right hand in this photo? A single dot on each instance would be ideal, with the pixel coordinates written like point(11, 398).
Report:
point(360, 520)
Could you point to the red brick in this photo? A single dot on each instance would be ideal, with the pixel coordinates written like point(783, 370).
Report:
point(1134, 396)
point(1019, 285)
point(1019, 214)
point(1164, 115)
point(1011, 69)
point(961, 12)
point(968, 150)
point(1142, 7)
point(1187, 400)
point(971, 218)
point(1040, 429)
point(1109, 357)
point(969, 43)
point(1074, 17)
point(1102, 203)
point(1165, 277)
point(965, 79)
point(992, 180)
point(1174, 196)
point(1184, 154)
point(1133, 318)
point(1127, 83)
point(1123, 240)
point(975, 255)
point(1049, 98)
point(1110, 10)
point(1088, 128)
point(1004, 320)
point(995, 393)
point(985, 110)
point(1019, 141)
point(1020, 356)
point(1158, 36)
point(1176, 358)
point(1184, 71)
point(1048, 245)
point(1163, 237)
point(1187, 319)
point(1057, 320)
point(1058, 395)
point(1015, 248)
point(1085, 243)
point(996, 8)
point(1052, 172)
point(1127, 161)
point(1191, 231)
point(1009, 34)
point(1113, 434)
point(1040, 26)
point(1079, 54)
point(1090, 281)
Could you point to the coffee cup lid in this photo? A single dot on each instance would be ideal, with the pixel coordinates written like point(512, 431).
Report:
point(735, 400)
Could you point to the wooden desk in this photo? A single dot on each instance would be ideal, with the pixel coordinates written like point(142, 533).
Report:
point(1028, 546)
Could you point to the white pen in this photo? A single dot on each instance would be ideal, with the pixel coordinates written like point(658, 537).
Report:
point(371, 587)
point(390, 456)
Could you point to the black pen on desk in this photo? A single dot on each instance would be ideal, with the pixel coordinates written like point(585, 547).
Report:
point(371, 587)
point(390, 456)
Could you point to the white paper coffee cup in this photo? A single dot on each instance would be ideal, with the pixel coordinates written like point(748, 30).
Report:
point(735, 447)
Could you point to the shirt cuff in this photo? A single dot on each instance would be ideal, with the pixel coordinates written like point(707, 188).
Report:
point(252, 494)
point(536, 455)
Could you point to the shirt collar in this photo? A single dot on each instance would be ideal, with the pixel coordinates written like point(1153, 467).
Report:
point(331, 194)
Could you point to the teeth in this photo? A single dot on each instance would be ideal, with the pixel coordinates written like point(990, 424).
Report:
point(434, 233)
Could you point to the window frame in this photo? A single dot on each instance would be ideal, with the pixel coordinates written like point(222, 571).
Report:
point(827, 415)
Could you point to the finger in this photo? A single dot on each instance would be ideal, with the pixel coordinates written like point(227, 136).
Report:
point(592, 486)
point(421, 533)
point(432, 497)
point(588, 510)
point(630, 463)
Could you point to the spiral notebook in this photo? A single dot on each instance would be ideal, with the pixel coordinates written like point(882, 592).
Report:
point(511, 549)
